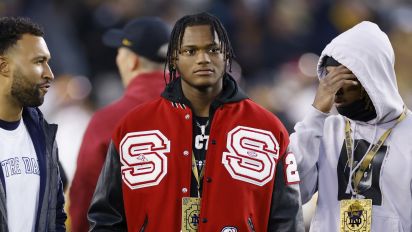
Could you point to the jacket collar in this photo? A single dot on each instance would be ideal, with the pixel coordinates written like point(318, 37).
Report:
point(33, 114)
point(144, 84)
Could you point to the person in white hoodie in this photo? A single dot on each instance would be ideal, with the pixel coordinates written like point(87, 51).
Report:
point(360, 160)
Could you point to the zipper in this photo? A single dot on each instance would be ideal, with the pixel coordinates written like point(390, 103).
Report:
point(250, 224)
point(144, 224)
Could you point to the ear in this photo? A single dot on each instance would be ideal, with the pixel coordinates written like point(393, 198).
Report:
point(134, 62)
point(4, 66)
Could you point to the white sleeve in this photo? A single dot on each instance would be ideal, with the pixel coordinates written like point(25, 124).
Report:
point(305, 143)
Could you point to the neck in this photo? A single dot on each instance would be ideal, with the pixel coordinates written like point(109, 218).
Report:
point(201, 99)
point(10, 112)
point(127, 78)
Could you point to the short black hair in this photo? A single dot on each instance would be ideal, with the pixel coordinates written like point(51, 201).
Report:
point(194, 20)
point(13, 28)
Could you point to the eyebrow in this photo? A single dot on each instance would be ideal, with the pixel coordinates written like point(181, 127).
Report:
point(42, 57)
point(195, 46)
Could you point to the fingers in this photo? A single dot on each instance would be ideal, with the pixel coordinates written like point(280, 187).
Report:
point(336, 78)
point(351, 82)
point(338, 74)
point(342, 79)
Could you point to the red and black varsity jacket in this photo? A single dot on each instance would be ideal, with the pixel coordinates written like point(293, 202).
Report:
point(250, 180)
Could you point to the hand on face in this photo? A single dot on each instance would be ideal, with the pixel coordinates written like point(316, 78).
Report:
point(340, 86)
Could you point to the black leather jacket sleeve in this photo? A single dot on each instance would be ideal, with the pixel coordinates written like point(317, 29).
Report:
point(106, 212)
point(286, 209)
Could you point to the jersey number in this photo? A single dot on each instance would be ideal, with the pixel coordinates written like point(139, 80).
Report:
point(291, 170)
point(143, 158)
point(252, 155)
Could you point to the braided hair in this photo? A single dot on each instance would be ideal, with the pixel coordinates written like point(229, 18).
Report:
point(175, 42)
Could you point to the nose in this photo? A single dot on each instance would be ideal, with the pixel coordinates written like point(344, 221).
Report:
point(203, 57)
point(48, 73)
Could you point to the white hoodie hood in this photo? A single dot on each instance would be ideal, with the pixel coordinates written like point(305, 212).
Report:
point(368, 53)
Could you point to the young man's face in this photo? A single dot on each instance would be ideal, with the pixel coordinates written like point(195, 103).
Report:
point(31, 74)
point(200, 60)
point(348, 93)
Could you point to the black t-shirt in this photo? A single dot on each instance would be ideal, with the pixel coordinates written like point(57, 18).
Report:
point(201, 128)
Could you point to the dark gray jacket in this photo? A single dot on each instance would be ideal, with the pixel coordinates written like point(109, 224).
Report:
point(50, 211)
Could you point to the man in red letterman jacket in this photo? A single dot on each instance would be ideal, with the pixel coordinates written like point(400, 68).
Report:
point(202, 157)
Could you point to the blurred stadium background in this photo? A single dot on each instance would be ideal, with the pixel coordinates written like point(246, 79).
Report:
point(277, 44)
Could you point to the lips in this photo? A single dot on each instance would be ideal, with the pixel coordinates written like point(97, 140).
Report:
point(339, 102)
point(44, 87)
point(204, 71)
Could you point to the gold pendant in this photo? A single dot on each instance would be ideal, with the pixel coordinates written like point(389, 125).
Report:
point(190, 214)
point(355, 215)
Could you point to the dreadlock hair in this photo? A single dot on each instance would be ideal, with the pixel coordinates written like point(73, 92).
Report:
point(176, 37)
point(13, 28)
